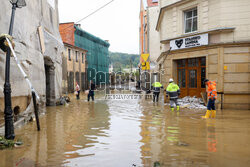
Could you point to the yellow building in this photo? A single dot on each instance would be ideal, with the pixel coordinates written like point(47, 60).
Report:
point(208, 39)
point(74, 68)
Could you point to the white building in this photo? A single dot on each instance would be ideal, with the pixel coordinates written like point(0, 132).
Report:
point(38, 47)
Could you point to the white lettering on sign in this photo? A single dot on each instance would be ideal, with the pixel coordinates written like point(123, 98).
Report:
point(189, 42)
point(52, 3)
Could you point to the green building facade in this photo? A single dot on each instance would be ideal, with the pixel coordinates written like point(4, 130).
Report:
point(97, 55)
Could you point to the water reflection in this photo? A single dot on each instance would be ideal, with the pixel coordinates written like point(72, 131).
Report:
point(211, 135)
point(131, 133)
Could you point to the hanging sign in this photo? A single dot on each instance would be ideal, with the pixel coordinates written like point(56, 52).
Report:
point(189, 42)
point(145, 66)
point(145, 57)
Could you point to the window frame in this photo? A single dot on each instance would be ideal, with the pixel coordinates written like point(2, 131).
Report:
point(192, 19)
point(69, 54)
point(76, 52)
point(83, 59)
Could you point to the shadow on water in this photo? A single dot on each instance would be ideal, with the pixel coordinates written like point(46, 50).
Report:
point(131, 133)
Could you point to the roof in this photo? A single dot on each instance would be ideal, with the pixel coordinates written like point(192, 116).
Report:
point(91, 37)
point(67, 44)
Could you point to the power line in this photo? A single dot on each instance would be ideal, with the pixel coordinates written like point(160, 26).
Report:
point(95, 11)
point(92, 13)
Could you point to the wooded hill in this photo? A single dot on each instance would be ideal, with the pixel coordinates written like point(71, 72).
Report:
point(123, 60)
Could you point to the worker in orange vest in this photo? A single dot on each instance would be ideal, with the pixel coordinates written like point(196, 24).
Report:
point(212, 96)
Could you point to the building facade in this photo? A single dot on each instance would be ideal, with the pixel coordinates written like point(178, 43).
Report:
point(143, 45)
point(153, 35)
point(39, 47)
point(73, 68)
point(207, 39)
point(149, 42)
point(97, 55)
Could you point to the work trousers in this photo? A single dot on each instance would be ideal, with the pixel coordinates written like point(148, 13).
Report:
point(174, 102)
point(156, 96)
point(91, 94)
point(211, 104)
point(78, 95)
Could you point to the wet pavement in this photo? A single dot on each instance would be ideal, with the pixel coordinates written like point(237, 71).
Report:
point(129, 133)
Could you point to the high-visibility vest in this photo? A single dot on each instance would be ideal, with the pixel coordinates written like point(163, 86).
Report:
point(173, 90)
point(211, 90)
point(157, 86)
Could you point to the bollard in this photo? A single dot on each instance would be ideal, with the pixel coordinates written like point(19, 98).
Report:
point(36, 110)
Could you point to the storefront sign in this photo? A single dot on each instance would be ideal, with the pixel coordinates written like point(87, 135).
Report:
point(189, 42)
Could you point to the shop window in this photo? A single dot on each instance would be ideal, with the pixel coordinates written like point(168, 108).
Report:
point(182, 78)
point(203, 77)
point(190, 20)
point(192, 78)
point(181, 63)
point(203, 61)
point(69, 54)
point(193, 62)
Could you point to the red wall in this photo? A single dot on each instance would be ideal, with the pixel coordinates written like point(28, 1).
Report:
point(150, 3)
point(67, 31)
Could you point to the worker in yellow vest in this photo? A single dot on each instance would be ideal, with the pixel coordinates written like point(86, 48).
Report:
point(156, 89)
point(173, 91)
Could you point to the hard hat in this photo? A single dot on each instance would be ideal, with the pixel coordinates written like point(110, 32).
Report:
point(171, 80)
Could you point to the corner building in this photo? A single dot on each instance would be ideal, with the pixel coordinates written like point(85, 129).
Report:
point(208, 39)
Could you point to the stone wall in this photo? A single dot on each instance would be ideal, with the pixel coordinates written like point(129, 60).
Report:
point(212, 14)
point(29, 50)
point(228, 65)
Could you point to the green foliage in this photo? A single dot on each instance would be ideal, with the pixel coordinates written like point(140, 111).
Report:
point(4, 143)
point(123, 60)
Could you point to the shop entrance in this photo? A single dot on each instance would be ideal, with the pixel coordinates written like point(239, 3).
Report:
point(190, 76)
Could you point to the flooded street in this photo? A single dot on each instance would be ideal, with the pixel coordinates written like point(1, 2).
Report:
point(131, 133)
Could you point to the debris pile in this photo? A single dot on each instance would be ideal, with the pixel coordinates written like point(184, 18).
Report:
point(192, 102)
point(63, 100)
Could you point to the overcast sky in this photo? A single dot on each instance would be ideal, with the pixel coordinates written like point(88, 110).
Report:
point(118, 22)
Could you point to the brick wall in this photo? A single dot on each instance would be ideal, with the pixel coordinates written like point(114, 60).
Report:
point(151, 3)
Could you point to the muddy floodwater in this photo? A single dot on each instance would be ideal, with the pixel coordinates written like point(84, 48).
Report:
point(131, 133)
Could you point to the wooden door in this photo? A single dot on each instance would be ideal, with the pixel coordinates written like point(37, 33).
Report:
point(193, 77)
point(190, 76)
point(182, 77)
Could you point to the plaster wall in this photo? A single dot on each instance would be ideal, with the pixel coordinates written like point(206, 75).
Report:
point(28, 49)
point(154, 37)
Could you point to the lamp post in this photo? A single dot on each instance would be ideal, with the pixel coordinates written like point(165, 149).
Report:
point(8, 113)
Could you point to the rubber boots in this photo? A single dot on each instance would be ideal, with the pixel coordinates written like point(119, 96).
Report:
point(172, 109)
point(213, 115)
point(208, 113)
point(178, 108)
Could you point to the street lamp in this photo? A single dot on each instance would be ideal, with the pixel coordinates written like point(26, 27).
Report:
point(8, 113)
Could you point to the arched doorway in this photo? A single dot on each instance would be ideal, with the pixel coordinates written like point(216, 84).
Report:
point(50, 81)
